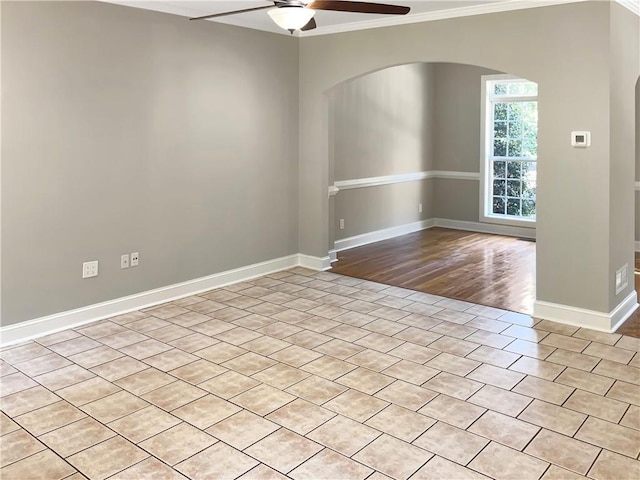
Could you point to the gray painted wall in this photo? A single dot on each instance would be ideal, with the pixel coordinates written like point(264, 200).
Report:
point(637, 176)
point(541, 47)
point(457, 132)
point(624, 69)
point(403, 119)
point(382, 124)
point(457, 126)
point(375, 208)
point(127, 130)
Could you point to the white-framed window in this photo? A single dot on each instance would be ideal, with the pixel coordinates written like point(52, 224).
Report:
point(509, 150)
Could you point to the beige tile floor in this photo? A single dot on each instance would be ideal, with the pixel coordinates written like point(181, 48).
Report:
point(310, 375)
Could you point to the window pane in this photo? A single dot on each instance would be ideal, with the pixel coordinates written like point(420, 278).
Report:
point(530, 89)
point(515, 129)
point(528, 208)
point(514, 140)
point(500, 111)
point(514, 148)
point(515, 88)
point(530, 147)
point(514, 111)
point(499, 148)
point(514, 188)
point(530, 111)
point(513, 206)
point(499, 187)
point(514, 170)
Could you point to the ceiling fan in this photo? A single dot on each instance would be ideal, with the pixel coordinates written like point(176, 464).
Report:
point(295, 15)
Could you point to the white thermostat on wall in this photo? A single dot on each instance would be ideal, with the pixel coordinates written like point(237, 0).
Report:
point(580, 139)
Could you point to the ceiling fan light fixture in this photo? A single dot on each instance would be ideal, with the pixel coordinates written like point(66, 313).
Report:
point(291, 17)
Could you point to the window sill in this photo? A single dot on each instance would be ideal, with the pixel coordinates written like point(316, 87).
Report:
point(514, 222)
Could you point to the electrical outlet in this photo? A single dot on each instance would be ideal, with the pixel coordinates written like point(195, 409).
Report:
point(124, 261)
point(419, 208)
point(135, 259)
point(622, 278)
point(90, 269)
point(342, 224)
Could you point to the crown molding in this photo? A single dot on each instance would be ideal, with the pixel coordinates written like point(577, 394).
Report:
point(497, 7)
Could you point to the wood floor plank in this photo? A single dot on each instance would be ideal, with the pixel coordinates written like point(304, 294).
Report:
point(490, 270)
point(487, 269)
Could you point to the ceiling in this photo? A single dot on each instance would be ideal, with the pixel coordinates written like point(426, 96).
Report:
point(333, 22)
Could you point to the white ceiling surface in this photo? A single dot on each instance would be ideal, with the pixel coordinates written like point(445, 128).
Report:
point(328, 22)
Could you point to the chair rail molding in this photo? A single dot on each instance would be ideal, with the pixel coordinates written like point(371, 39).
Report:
point(402, 178)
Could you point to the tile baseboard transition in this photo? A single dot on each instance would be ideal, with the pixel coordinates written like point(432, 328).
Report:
point(579, 317)
point(38, 327)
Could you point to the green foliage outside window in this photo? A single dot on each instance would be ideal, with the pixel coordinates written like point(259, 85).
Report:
point(514, 150)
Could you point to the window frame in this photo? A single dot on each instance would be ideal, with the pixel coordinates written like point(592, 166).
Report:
point(486, 139)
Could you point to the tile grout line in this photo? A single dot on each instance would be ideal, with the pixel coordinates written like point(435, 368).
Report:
point(391, 336)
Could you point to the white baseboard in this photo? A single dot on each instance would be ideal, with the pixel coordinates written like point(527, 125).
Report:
point(378, 235)
point(579, 317)
point(333, 255)
point(387, 233)
point(314, 263)
point(39, 327)
point(492, 228)
point(637, 246)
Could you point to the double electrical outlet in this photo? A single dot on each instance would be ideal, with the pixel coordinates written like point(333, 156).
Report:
point(130, 260)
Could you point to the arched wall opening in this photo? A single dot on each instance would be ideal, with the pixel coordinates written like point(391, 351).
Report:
point(577, 248)
point(405, 154)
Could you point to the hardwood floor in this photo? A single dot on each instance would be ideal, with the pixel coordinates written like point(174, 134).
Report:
point(632, 326)
point(486, 269)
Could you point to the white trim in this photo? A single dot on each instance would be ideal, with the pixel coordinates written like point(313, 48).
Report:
point(579, 317)
point(632, 5)
point(333, 190)
point(387, 233)
point(382, 180)
point(314, 263)
point(495, 229)
point(637, 186)
point(497, 7)
point(333, 255)
point(39, 327)
point(403, 177)
point(451, 175)
point(384, 234)
point(637, 246)
point(486, 140)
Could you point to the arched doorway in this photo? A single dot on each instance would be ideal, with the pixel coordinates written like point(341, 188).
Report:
point(407, 153)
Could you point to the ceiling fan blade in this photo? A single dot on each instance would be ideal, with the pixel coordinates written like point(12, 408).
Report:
point(310, 25)
point(358, 7)
point(224, 14)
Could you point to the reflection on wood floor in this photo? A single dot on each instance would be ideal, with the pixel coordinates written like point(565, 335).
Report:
point(486, 269)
